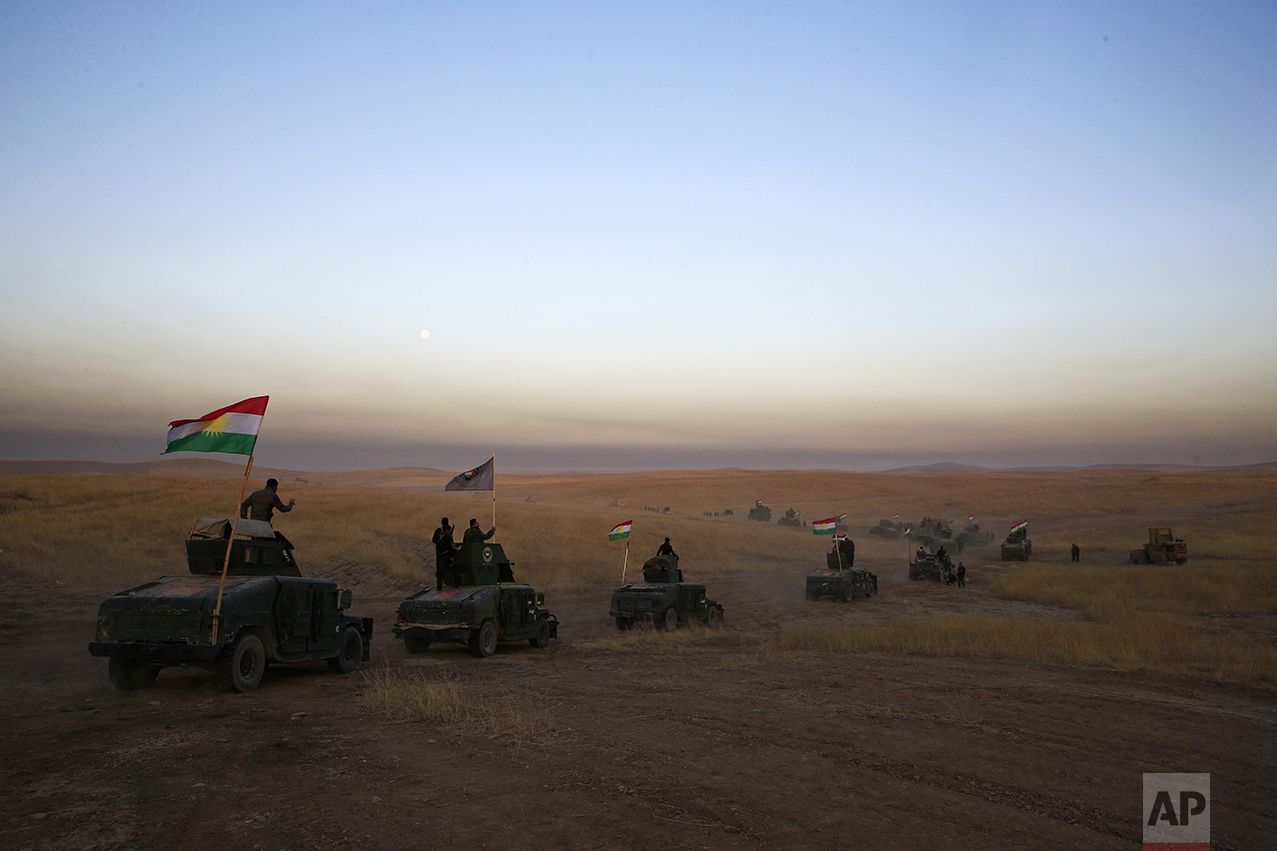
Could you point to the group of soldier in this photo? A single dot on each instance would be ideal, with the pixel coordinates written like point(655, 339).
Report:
point(952, 576)
point(445, 547)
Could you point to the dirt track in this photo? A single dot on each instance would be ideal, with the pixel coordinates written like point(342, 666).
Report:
point(706, 744)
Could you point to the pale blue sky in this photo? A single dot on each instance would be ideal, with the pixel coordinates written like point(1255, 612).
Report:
point(849, 235)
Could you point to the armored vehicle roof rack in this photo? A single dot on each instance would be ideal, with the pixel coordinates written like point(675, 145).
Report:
point(662, 569)
point(258, 550)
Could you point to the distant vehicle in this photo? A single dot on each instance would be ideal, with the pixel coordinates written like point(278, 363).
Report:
point(663, 599)
point(1162, 548)
point(760, 512)
point(269, 613)
point(790, 519)
point(1017, 546)
point(840, 581)
point(972, 536)
point(483, 606)
point(888, 530)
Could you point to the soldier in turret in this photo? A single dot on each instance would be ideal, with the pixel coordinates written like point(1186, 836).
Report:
point(666, 550)
point(475, 534)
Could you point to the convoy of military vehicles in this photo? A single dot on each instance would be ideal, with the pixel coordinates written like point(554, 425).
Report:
point(244, 603)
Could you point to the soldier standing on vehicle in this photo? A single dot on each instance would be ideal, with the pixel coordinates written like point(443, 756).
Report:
point(443, 552)
point(847, 548)
point(666, 550)
point(261, 505)
point(475, 533)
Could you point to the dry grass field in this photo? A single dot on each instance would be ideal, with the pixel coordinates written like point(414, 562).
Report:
point(1018, 712)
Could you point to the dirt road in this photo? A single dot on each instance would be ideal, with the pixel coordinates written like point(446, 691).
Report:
point(713, 742)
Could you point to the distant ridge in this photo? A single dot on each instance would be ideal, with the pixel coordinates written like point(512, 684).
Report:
point(942, 467)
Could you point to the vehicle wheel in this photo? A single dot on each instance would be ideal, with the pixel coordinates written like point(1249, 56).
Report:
point(670, 622)
point(350, 651)
point(483, 641)
point(130, 674)
point(623, 624)
point(542, 639)
point(715, 616)
point(416, 643)
point(240, 667)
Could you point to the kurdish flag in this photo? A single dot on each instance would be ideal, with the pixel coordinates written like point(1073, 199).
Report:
point(620, 531)
point(232, 429)
point(1020, 527)
point(824, 527)
point(908, 531)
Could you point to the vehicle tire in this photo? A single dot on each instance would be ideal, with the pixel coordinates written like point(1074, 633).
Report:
point(483, 641)
point(241, 665)
point(542, 639)
point(623, 624)
point(1159, 558)
point(416, 643)
point(716, 616)
point(669, 622)
point(350, 651)
point(130, 674)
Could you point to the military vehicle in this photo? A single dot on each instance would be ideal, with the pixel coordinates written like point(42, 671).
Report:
point(841, 581)
point(268, 613)
point(930, 566)
point(790, 519)
point(888, 530)
point(972, 536)
point(1017, 546)
point(663, 599)
point(1162, 548)
point(760, 512)
point(480, 605)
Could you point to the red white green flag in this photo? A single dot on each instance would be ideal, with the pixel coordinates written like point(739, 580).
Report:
point(620, 531)
point(1020, 527)
point(824, 527)
point(232, 429)
point(840, 537)
point(908, 531)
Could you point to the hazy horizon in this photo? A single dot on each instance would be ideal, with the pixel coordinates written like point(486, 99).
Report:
point(642, 237)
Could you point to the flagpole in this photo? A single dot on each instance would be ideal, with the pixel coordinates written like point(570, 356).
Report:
point(494, 489)
point(217, 612)
point(626, 562)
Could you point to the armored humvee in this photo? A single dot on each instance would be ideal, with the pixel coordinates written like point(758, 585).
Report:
point(480, 605)
point(269, 613)
point(1162, 548)
point(663, 598)
point(928, 566)
point(972, 536)
point(760, 512)
point(790, 519)
point(1017, 546)
point(888, 530)
point(841, 581)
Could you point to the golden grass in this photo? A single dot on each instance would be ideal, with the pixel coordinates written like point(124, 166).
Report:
point(404, 696)
point(1149, 642)
point(1211, 617)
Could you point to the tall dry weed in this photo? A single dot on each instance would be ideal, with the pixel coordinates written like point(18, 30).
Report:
point(401, 695)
